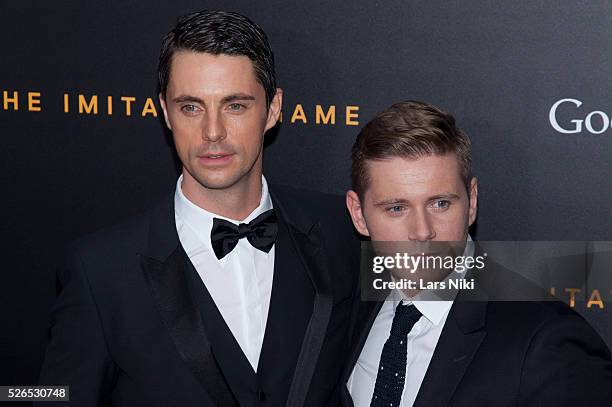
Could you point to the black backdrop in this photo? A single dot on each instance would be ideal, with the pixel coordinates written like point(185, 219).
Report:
point(499, 66)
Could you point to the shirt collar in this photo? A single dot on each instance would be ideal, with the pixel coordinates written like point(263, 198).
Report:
point(200, 221)
point(433, 310)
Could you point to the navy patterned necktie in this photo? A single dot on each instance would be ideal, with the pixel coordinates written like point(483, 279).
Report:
point(392, 369)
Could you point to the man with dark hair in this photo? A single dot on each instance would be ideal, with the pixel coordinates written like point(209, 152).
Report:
point(231, 292)
point(413, 183)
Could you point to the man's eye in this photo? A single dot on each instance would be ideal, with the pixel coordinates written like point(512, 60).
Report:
point(235, 107)
point(189, 108)
point(395, 209)
point(441, 204)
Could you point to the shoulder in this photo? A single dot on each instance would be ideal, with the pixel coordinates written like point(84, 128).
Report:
point(514, 297)
point(556, 319)
point(311, 201)
point(517, 302)
point(535, 315)
point(108, 254)
point(565, 350)
point(328, 209)
point(543, 326)
point(127, 235)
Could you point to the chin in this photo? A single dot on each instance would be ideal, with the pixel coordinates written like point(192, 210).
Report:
point(216, 183)
point(219, 181)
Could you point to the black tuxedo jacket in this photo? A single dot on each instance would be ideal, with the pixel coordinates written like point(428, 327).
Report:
point(505, 353)
point(135, 326)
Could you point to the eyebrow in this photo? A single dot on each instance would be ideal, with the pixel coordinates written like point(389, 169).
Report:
point(448, 195)
point(236, 97)
point(187, 98)
point(392, 201)
point(227, 99)
point(395, 201)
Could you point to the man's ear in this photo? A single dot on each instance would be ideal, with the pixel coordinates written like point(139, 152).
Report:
point(473, 209)
point(354, 207)
point(162, 102)
point(274, 109)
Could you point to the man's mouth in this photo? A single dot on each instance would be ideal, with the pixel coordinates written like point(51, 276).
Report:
point(215, 158)
point(215, 155)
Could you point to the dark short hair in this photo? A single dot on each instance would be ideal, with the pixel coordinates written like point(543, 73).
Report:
point(220, 32)
point(409, 129)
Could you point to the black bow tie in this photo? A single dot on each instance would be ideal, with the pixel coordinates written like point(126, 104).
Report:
point(260, 232)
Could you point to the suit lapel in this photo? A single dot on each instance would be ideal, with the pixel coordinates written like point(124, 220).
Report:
point(163, 266)
point(290, 309)
point(461, 336)
point(304, 236)
point(178, 313)
point(164, 270)
point(365, 316)
point(237, 370)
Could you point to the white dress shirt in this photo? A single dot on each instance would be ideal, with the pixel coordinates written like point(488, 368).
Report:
point(241, 282)
point(421, 344)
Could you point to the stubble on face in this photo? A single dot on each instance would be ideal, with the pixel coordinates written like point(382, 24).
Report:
point(216, 109)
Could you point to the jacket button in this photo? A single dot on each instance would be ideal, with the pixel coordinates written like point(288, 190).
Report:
point(261, 396)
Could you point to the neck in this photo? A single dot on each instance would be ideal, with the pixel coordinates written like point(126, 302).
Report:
point(235, 202)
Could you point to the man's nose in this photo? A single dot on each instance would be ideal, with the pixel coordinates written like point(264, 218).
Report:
point(214, 127)
point(420, 226)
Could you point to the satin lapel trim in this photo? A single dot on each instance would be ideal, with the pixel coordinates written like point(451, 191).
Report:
point(308, 248)
point(166, 281)
point(306, 237)
point(453, 354)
